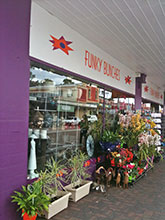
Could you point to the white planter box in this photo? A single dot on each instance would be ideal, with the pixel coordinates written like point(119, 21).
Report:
point(58, 205)
point(80, 192)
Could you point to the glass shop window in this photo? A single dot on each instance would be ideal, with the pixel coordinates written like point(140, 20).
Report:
point(57, 105)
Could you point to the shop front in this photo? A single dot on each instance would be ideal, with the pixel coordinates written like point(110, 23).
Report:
point(69, 77)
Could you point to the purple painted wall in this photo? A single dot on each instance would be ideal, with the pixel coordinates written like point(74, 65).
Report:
point(164, 105)
point(138, 93)
point(14, 104)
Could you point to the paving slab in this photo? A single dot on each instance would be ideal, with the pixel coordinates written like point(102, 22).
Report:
point(144, 201)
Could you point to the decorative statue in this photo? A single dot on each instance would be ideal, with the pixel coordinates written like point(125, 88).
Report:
point(109, 176)
point(100, 174)
point(126, 180)
point(37, 120)
point(118, 179)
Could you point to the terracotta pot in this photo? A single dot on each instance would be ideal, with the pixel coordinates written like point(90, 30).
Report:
point(27, 217)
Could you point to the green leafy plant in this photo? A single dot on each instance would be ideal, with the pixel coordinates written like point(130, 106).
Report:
point(109, 136)
point(146, 152)
point(52, 177)
point(78, 172)
point(31, 199)
point(96, 129)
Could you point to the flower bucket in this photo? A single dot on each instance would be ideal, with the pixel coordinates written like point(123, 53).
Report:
point(108, 146)
point(27, 217)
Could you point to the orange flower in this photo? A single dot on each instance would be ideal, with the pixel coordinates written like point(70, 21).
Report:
point(87, 163)
point(61, 173)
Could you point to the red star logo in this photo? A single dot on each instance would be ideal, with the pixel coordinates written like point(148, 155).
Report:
point(61, 44)
point(128, 80)
point(161, 97)
point(146, 88)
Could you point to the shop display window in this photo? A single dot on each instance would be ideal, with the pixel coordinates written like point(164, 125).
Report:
point(57, 104)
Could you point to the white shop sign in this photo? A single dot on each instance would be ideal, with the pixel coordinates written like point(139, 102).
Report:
point(151, 92)
point(56, 43)
point(76, 53)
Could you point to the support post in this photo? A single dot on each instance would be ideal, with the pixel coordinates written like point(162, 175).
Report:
point(14, 96)
point(138, 91)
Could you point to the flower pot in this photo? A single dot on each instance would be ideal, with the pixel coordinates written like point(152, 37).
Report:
point(27, 217)
point(80, 192)
point(108, 146)
point(58, 205)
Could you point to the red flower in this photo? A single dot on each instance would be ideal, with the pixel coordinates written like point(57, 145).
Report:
point(113, 162)
point(141, 171)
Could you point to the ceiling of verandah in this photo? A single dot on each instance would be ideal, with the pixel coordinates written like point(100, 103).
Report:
point(132, 31)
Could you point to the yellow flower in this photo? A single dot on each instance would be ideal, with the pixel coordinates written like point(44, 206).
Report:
point(152, 132)
point(152, 124)
point(138, 128)
point(138, 116)
point(138, 124)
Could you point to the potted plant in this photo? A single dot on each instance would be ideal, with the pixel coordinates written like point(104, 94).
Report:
point(31, 200)
point(52, 179)
point(109, 140)
point(79, 186)
point(148, 147)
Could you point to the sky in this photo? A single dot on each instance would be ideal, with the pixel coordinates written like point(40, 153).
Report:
point(41, 74)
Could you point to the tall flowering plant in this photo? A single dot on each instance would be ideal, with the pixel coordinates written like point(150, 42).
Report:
point(131, 126)
point(147, 146)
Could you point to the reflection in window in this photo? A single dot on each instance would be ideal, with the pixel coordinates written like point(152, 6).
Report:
point(96, 94)
point(89, 93)
point(57, 105)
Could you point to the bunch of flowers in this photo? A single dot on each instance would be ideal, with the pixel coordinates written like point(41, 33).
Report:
point(137, 123)
point(148, 139)
point(124, 120)
point(147, 146)
point(121, 158)
point(131, 125)
point(129, 166)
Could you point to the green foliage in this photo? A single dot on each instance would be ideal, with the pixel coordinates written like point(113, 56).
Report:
point(52, 177)
point(96, 129)
point(146, 153)
point(134, 173)
point(109, 136)
point(78, 171)
point(67, 81)
point(31, 199)
point(111, 123)
point(129, 137)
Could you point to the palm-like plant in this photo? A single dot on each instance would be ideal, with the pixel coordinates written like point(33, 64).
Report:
point(31, 199)
point(52, 178)
point(78, 171)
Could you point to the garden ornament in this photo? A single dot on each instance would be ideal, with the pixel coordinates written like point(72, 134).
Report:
point(118, 179)
point(126, 180)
